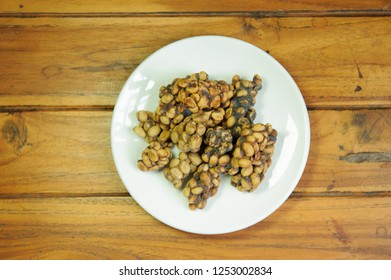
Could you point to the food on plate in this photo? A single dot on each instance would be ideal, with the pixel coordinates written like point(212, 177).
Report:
point(211, 122)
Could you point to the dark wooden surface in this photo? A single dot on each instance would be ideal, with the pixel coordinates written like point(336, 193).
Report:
point(63, 64)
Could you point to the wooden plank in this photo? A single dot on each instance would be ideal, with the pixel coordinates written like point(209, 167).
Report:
point(350, 151)
point(117, 228)
point(57, 152)
point(336, 61)
point(54, 153)
point(174, 6)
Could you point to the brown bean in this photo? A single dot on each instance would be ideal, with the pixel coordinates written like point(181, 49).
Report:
point(241, 93)
point(164, 135)
point(192, 207)
point(218, 116)
point(142, 116)
point(185, 136)
point(178, 118)
point(174, 137)
point(201, 117)
point(170, 114)
point(141, 166)
point(255, 179)
point(235, 162)
point(184, 167)
point(247, 171)
point(231, 121)
point(152, 155)
point(203, 102)
point(177, 184)
point(195, 158)
point(183, 156)
point(174, 162)
point(168, 151)
point(167, 98)
point(139, 131)
point(189, 102)
point(162, 153)
point(258, 137)
point(201, 129)
point(203, 75)
point(250, 139)
point(182, 83)
point(181, 145)
point(246, 185)
point(192, 198)
point(213, 191)
point(213, 91)
point(262, 145)
point(213, 160)
point(224, 160)
point(244, 163)
point(186, 191)
point(148, 124)
point(190, 128)
point(230, 94)
point(163, 162)
point(259, 169)
point(196, 97)
point(201, 204)
point(205, 157)
point(244, 131)
point(154, 131)
point(164, 120)
point(215, 102)
point(192, 88)
point(228, 113)
point(268, 149)
point(247, 84)
point(197, 190)
point(205, 178)
point(176, 173)
point(232, 171)
point(194, 144)
point(258, 127)
point(237, 153)
point(248, 149)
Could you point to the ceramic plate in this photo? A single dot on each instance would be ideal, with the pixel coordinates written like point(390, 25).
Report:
point(279, 102)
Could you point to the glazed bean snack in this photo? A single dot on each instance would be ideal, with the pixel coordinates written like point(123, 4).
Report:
point(211, 122)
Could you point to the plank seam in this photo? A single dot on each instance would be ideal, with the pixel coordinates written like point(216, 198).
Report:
point(38, 108)
point(256, 14)
point(125, 194)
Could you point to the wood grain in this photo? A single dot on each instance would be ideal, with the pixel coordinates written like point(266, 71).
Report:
point(60, 152)
point(337, 62)
point(117, 228)
point(68, 153)
point(175, 6)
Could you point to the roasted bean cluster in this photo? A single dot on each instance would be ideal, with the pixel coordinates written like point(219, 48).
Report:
point(212, 124)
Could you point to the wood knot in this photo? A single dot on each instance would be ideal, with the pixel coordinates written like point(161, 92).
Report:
point(247, 27)
point(51, 71)
point(331, 186)
point(358, 88)
point(339, 233)
point(359, 119)
point(14, 134)
point(381, 232)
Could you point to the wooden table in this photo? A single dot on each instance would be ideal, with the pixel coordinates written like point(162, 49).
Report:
point(62, 66)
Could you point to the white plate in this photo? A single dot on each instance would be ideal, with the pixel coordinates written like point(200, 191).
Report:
point(279, 102)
